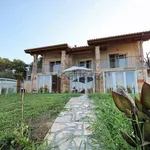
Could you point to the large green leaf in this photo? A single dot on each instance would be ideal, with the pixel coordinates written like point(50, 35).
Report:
point(138, 104)
point(142, 116)
point(130, 140)
point(145, 95)
point(122, 103)
point(146, 111)
point(146, 129)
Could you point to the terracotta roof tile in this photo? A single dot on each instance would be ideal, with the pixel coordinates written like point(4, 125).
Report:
point(122, 36)
point(51, 47)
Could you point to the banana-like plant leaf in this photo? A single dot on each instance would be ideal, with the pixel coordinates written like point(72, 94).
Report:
point(122, 103)
point(130, 140)
point(145, 144)
point(138, 104)
point(146, 129)
point(142, 116)
point(136, 129)
point(145, 95)
point(146, 111)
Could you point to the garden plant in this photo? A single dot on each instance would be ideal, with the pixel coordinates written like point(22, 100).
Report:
point(138, 112)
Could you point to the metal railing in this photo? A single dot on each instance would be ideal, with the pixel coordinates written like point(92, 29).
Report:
point(127, 62)
point(47, 68)
point(131, 61)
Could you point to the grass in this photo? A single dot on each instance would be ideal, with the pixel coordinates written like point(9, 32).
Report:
point(39, 111)
point(109, 122)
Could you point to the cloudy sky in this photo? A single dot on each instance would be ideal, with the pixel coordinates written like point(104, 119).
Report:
point(33, 23)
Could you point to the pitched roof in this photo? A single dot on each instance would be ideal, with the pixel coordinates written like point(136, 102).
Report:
point(47, 48)
point(81, 48)
point(144, 36)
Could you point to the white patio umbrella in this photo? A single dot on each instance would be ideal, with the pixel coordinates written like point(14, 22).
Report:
point(74, 71)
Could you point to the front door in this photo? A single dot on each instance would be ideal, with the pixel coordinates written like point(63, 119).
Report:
point(56, 84)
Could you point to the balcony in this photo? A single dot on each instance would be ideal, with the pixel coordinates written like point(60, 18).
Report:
point(128, 62)
point(122, 62)
point(49, 68)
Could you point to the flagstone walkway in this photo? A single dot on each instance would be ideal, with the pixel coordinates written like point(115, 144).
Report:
point(72, 128)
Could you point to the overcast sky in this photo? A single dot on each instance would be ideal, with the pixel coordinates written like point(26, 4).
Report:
point(33, 23)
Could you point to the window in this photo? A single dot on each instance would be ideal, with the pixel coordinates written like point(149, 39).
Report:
point(117, 60)
point(126, 79)
point(55, 66)
point(86, 64)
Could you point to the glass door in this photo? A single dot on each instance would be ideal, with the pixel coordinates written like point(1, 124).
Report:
point(126, 79)
point(130, 82)
point(44, 84)
point(119, 79)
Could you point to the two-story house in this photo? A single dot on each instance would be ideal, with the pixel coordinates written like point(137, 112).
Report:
point(115, 60)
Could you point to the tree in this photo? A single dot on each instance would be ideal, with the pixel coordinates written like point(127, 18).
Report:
point(39, 64)
point(5, 68)
point(13, 69)
point(147, 60)
point(5, 64)
point(19, 68)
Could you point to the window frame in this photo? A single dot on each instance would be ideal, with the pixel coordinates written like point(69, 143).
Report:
point(55, 63)
point(85, 63)
point(117, 58)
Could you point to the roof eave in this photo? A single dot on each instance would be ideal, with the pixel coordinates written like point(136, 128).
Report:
point(48, 48)
point(144, 36)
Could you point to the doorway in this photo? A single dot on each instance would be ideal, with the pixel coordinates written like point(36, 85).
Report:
point(56, 84)
point(44, 84)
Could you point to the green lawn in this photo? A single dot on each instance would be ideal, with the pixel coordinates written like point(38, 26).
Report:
point(109, 122)
point(39, 111)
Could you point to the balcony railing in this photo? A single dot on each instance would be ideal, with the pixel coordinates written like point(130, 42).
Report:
point(47, 68)
point(128, 62)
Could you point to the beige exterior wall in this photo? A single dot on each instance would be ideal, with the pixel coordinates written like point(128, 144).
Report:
point(27, 86)
point(130, 49)
point(52, 56)
point(82, 57)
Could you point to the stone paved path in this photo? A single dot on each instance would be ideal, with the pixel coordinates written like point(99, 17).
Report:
point(71, 129)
